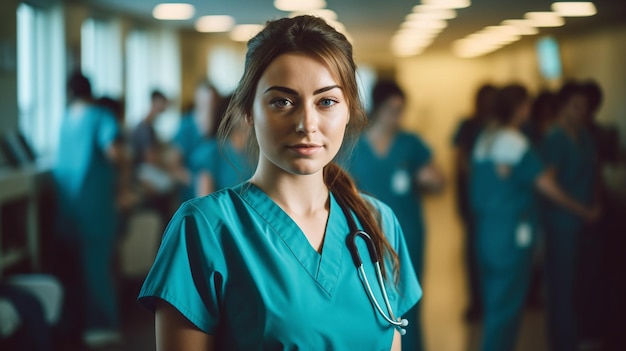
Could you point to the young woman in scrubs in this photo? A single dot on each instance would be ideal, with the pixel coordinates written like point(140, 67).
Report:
point(505, 171)
point(394, 166)
point(570, 155)
point(265, 265)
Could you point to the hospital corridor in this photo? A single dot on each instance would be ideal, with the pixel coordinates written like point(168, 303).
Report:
point(424, 175)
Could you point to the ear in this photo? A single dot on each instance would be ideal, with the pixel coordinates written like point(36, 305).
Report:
point(249, 120)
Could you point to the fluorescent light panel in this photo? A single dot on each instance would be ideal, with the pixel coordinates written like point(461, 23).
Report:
point(574, 8)
point(448, 4)
point(545, 19)
point(300, 5)
point(214, 24)
point(245, 32)
point(173, 11)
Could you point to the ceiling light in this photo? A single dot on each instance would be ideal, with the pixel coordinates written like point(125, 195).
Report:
point(426, 24)
point(545, 19)
point(435, 12)
point(523, 26)
point(574, 9)
point(448, 4)
point(245, 32)
point(173, 11)
point(214, 24)
point(300, 5)
point(326, 14)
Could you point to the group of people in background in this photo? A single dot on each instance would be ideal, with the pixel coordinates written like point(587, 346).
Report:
point(103, 172)
point(528, 174)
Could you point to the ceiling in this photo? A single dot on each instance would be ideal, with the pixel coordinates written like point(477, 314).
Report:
point(371, 23)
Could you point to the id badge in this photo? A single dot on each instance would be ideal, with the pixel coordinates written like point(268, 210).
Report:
point(523, 235)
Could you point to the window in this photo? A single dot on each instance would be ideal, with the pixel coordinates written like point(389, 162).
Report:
point(41, 75)
point(101, 56)
point(153, 62)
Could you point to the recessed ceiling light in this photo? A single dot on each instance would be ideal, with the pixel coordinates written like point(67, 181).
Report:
point(245, 32)
point(523, 26)
point(545, 19)
point(214, 24)
point(425, 23)
point(301, 5)
point(448, 4)
point(574, 9)
point(173, 11)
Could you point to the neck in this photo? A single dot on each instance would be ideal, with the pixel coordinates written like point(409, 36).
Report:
point(299, 195)
point(379, 130)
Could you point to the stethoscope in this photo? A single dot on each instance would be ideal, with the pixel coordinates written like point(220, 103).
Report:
point(356, 257)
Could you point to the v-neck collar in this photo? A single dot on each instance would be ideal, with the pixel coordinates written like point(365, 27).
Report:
point(374, 152)
point(324, 268)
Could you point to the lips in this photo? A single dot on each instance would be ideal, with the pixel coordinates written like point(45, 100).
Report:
point(305, 149)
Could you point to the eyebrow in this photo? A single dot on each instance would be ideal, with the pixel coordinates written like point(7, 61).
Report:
point(293, 92)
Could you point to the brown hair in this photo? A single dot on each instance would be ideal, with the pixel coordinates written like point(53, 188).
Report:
point(311, 36)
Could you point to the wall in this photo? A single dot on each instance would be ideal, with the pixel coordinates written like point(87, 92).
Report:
point(8, 68)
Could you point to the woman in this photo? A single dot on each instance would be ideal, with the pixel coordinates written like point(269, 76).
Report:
point(265, 265)
point(570, 154)
point(505, 171)
point(394, 166)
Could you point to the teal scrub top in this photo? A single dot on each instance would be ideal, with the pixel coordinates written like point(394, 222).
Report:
point(85, 179)
point(227, 165)
point(239, 268)
point(576, 167)
point(391, 179)
point(187, 139)
point(509, 198)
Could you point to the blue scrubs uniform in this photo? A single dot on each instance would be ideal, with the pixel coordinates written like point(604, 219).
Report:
point(187, 140)
point(227, 165)
point(576, 169)
point(240, 269)
point(390, 178)
point(87, 219)
point(503, 202)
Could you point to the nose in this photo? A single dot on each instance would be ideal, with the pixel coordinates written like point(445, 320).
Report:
point(307, 120)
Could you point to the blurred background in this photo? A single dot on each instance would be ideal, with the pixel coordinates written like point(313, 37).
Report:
point(151, 64)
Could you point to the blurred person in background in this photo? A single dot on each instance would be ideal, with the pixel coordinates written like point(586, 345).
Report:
point(571, 159)
point(223, 164)
point(153, 173)
point(86, 174)
point(593, 271)
point(396, 167)
point(542, 117)
point(196, 125)
point(463, 140)
point(505, 171)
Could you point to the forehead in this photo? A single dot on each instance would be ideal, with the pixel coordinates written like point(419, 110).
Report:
point(298, 70)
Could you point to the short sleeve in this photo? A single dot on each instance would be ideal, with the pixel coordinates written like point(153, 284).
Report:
point(421, 153)
point(189, 270)
point(529, 168)
point(108, 130)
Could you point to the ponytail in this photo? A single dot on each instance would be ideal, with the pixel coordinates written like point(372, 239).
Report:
point(342, 186)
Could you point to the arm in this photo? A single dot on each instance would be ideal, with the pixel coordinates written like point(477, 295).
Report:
point(397, 341)
point(118, 155)
point(547, 185)
point(174, 332)
point(430, 178)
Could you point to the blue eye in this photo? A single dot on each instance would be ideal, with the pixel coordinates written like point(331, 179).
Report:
point(327, 102)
